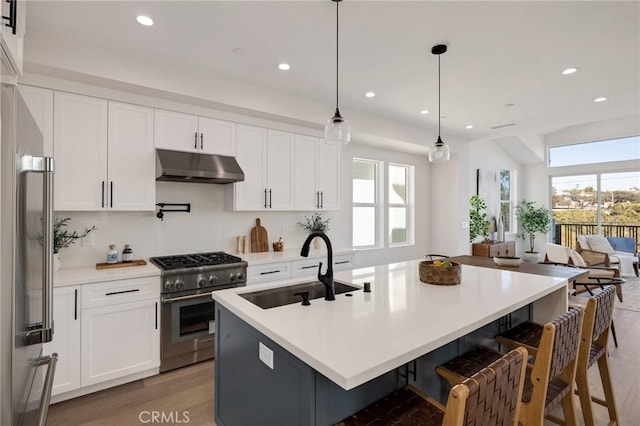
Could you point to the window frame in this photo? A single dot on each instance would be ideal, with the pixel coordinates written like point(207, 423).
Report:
point(511, 202)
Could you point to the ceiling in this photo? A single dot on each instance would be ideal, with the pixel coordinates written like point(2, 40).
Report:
point(503, 66)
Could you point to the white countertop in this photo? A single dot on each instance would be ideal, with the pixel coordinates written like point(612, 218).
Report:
point(75, 276)
point(288, 255)
point(354, 339)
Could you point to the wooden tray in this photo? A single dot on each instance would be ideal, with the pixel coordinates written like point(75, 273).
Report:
point(104, 265)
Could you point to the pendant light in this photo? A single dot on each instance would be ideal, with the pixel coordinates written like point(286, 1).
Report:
point(439, 152)
point(337, 130)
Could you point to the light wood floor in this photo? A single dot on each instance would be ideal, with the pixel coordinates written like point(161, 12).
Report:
point(190, 389)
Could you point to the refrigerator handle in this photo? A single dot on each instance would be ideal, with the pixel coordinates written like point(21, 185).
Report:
point(50, 361)
point(47, 285)
point(44, 165)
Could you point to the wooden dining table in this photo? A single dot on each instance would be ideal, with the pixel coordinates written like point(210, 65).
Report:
point(548, 270)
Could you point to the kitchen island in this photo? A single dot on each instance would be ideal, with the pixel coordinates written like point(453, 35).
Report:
point(317, 364)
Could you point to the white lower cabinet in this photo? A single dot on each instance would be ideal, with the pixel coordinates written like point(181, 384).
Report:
point(104, 331)
point(118, 340)
point(66, 339)
point(268, 272)
point(293, 269)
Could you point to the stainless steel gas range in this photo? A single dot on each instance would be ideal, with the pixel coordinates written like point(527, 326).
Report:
point(187, 314)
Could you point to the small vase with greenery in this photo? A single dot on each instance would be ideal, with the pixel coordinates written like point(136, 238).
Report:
point(478, 223)
point(315, 223)
point(533, 220)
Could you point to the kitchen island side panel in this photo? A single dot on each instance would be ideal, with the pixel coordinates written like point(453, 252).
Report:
point(248, 392)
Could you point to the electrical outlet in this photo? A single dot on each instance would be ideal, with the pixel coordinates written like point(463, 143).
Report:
point(87, 240)
point(465, 225)
point(283, 230)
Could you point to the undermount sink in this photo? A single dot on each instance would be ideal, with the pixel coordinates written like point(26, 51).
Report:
point(281, 296)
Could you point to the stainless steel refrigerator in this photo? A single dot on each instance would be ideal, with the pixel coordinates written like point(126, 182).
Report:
point(26, 269)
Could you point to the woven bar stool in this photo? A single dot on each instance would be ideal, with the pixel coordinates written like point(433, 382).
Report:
point(598, 313)
point(489, 398)
point(551, 379)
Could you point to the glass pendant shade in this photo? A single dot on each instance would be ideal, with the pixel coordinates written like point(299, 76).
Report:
point(439, 152)
point(337, 130)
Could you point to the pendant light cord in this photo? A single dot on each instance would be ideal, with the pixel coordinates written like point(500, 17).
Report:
point(337, 47)
point(439, 98)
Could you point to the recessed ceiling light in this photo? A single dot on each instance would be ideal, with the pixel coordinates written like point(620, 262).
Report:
point(424, 112)
point(602, 99)
point(468, 126)
point(569, 71)
point(370, 94)
point(238, 51)
point(284, 67)
point(144, 20)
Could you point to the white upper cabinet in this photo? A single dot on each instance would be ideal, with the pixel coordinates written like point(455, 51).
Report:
point(251, 194)
point(217, 136)
point(316, 174)
point(80, 151)
point(12, 31)
point(266, 158)
point(280, 151)
point(131, 167)
point(40, 104)
point(176, 131)
point(189, 133)
point(104, 155)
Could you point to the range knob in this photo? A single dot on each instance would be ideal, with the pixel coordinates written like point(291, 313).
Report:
point(240, 276)
point(179, 284)
point(202, 282)
point(232, 277)
point(168, 285)
point(212, 279)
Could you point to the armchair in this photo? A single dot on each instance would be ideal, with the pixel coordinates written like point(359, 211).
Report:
point(597, 250)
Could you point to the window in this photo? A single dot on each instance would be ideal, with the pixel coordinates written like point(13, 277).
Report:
point(400, 205)
point(506, 198)
point(365, 203)
point(370, 206)
point(595, 152)
point(602, 203)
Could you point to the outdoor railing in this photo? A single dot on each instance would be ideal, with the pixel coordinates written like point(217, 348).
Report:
point(566, 233)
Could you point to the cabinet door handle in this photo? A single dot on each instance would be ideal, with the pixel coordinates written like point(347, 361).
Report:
point(75, 304)
point(111, 193)
point(13, 6)
point(309, 266)
point(342, 262)
point(269, 198)
point(122, 292)
point(102, 194)
point(270, 272)
point(265, 198)
point(317, 199)
point(156, 315)
point(195, 140)
point(322, 199)
point(201, 140)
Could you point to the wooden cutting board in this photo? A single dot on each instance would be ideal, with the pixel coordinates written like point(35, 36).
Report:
point(259, 240)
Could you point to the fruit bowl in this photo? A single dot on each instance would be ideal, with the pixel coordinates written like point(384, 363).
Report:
point(440, 272)
point(507, 261)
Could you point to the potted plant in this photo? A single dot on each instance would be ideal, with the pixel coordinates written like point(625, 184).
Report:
point(315, 223)
point(478, 223)
point(533, 220)
point(63, 238)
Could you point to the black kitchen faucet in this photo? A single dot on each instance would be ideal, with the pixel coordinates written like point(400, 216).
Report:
point(326, 279)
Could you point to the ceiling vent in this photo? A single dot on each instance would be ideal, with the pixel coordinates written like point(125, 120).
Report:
point(502, 126)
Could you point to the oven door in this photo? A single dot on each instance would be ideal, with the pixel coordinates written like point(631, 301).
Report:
point(188, 326)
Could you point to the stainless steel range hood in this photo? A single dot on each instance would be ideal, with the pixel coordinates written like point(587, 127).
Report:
point(178, 166)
